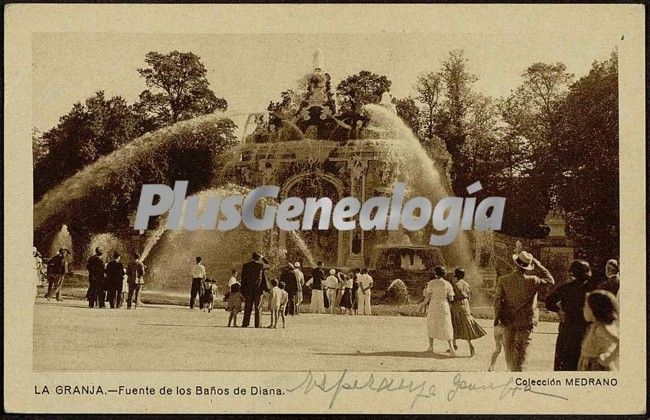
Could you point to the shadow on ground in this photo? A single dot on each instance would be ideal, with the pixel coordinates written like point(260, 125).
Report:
point(418, 354)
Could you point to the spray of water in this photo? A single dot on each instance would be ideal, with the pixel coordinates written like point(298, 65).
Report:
point(108, 242)
point(302, 246)
point(152, 240)
point(420, 173)
point(99, 173)
point(62, 239)
point(170, 253)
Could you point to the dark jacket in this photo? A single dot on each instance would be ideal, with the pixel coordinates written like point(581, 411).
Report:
point(290, 280)
point(135, 272)
point(318, 276)
point(253, 280)
point(114, 272)
point(571, 298)
point(95, 268)
point(57, 265)
point(515, 301)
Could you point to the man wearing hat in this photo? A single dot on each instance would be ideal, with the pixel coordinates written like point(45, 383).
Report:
point(57, 267)
point(253, 284)
point(95, 267)
point(515, 306)
point(114, 273)
point(288, 276)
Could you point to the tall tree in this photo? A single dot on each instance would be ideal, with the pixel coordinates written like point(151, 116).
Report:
point(451, 125)
point(360, 89)
point(429, 88)
point(533, 112)
point(178, 89)
point(588, 162)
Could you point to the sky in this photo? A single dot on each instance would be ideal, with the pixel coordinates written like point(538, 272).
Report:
point(249, 70)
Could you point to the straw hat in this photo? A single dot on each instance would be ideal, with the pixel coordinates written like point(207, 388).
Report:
point(524, 260)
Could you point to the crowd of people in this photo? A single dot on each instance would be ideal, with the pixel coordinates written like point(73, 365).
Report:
point(345, 293)
point(587, 307)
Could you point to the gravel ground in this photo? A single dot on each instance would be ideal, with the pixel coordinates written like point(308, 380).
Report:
point(70, 336)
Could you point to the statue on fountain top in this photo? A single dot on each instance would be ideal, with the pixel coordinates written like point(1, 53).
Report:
point(315, 117)
point(318, 106)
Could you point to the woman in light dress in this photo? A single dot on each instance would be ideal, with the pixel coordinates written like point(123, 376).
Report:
point(464, 324)
point(437, 296)
point(39, 266)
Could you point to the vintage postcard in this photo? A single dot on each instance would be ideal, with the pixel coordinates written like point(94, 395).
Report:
point(325, 209)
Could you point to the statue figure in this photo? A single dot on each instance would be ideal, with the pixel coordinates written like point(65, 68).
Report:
point(318, 105)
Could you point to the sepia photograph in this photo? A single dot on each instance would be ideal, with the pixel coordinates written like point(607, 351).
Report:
point(323, 121)
point(423, 202)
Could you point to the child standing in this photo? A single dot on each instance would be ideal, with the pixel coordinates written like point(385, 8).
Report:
point(234, 303)
point(275, 300)
point(600, 345)
point(209, 293)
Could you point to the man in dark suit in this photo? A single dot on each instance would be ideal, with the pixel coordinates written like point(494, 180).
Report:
point(114, 273)
point(253, 284)
point(96, 269)
point(288, 276)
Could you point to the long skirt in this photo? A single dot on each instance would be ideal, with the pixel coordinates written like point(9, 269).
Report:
point(568, 347)
point(465, 326)
point(439, 325)
point(346, 299)
point(317, 304)
point(354, 294)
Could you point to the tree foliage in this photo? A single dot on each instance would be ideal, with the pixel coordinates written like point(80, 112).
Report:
point(110, 191)
point(360, 89)
point(178, 89)
point(533, 112)
point(453, 117)
point(89, 131)
point(409, 112)
point(429, 89)
point(588, 182)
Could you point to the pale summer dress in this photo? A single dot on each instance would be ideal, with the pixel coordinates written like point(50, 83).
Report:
point(439, 325)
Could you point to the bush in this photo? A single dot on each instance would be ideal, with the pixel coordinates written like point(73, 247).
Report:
point(396, 294)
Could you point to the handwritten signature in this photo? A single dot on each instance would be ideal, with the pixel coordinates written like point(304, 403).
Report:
point(417, 389)
point(506, 389)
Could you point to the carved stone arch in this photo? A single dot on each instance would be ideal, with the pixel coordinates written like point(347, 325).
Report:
point(337, 183)
point(296, 178)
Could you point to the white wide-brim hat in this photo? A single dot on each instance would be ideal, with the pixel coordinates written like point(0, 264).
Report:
point(524, 260)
